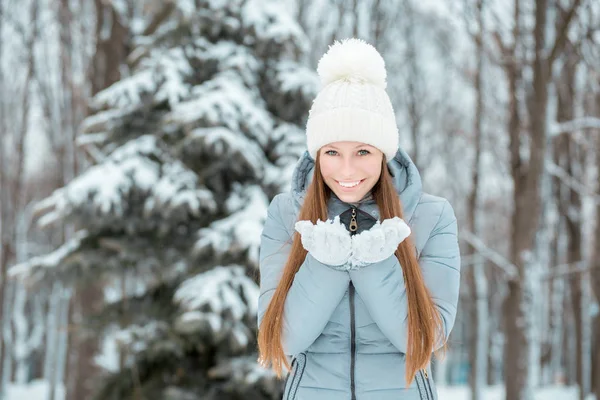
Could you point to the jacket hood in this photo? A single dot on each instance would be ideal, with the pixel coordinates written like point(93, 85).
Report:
point(406, 180)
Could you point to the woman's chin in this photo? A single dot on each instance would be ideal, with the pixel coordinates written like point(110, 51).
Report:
point(349, 197)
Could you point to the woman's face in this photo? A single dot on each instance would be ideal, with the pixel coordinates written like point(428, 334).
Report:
point(350, 169)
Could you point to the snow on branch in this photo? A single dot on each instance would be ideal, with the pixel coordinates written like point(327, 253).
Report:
point(137, 338)
point(225, 144)
point(140, 168)
point(511, 270)
point(270, 23)
point(219, 302)
point(225, 101)
point(128, 93)
point(241, 230)
point(91, 138)
point(161, 77)
point(294, 78)
point(574, 125)
point(585, 191)
point(35, 265)
point(564, 270)
point(101, 123)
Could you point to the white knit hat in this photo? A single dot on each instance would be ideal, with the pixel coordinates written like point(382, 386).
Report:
point(352, 104)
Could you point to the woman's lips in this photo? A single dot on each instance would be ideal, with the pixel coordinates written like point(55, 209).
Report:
point(349, 189)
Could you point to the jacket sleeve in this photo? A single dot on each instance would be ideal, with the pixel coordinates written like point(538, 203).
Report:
point(381, 286)
point(315, 292)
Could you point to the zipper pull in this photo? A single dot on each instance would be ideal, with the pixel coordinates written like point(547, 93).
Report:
point(425, 372)
point(353, 223)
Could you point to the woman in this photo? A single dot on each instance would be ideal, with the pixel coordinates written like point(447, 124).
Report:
point(359, 269)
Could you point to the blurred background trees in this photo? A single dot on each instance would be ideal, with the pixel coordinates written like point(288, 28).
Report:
point(142, 141)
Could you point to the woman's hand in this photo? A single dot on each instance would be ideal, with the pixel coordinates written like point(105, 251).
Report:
point(378, 243)
point(328, 242)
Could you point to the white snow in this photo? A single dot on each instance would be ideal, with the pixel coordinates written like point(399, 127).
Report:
point(297, 78)
point(38, 390)
point(222, 142)
point(240, 230)
point(218, 290)
point(137, 338)
point(270, 21)
point(131, 168)
point(34, 390)
point(225, 101)
point(49, 260)
point(219, 301)
point(232, 57)
point(127, 93)
point(497, 393)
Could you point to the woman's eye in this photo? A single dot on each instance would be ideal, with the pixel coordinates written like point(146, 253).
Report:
point(328, 152)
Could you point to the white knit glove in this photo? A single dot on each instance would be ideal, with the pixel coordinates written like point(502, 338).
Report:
point(378, 243)
point(329, 242)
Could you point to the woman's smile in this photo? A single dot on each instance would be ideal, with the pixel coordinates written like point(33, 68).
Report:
point(349, 186)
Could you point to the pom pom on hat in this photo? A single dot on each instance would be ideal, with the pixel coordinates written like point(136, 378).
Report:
point(352, 58)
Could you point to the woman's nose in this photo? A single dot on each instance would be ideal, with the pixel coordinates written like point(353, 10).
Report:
point(347, 168)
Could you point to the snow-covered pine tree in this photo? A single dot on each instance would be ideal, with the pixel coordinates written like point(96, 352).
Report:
point(190, 148)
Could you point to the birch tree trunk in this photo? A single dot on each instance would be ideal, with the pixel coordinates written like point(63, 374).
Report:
point(595, 273)
point(13, 203)
point(570, 206)
point(3, 199)
point(111, 38)
point(476, 274)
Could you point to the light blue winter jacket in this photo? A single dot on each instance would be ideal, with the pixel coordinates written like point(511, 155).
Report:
point(347, 331)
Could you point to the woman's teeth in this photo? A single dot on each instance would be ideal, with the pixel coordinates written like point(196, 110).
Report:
point(349, 184)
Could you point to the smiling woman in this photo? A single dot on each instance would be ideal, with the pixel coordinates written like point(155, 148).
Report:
point(350, 170)
point(359, 268)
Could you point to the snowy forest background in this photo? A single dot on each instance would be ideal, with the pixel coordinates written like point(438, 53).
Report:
point(141, 142)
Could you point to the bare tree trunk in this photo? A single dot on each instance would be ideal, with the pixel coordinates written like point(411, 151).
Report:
point(527, 201)
point(495, 342)
point(378, 23)
point(356, 12)
point(568, 342)
point(81, 365)
point(413, 85)
point(556, 325)
point(476, 274)
point(595, 274)
point(6, 249)
point(105, 69)
point(525, 222)
point(13, 202)
point(570, 206)
point(4, 237)
point(110, 52)
point(515, 343)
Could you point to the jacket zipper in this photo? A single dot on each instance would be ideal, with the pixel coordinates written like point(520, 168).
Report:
point(423, 385)
point(353, 342)
point(353, 223)
point(428, 384)
point(353, 228)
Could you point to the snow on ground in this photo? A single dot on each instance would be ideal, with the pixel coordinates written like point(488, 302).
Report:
point(497, 393)
point(38, 390)
point(35, 390)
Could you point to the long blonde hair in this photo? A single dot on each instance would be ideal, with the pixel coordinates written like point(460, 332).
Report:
point(425, 326)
